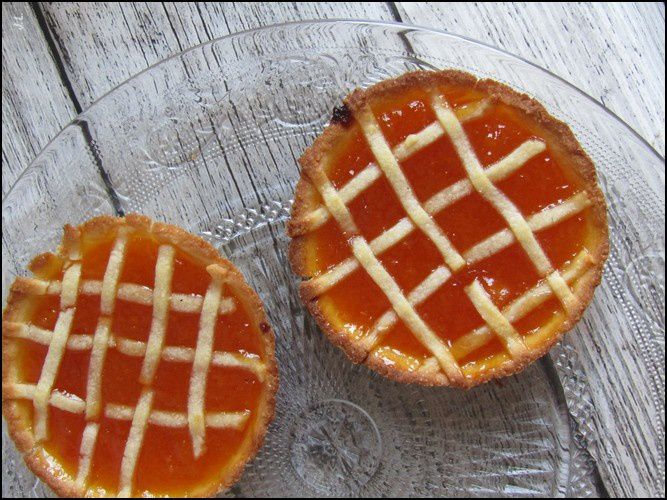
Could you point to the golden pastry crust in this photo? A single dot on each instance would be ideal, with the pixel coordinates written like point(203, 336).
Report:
point(200, 250)
point(562, 142)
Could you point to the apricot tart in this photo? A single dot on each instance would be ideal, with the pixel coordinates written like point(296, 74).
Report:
point(449, 229)
point(136, 362)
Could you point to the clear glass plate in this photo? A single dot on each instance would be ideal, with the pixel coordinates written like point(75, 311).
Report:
point(209, 139)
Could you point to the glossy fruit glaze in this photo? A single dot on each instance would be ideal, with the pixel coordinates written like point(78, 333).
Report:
point(166, 464)
point(356, 302)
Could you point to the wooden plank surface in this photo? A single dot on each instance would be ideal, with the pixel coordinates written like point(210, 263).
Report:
point(613, 52)
point(35, 103)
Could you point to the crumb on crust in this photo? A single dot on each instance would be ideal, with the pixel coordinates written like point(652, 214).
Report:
point(342, 115)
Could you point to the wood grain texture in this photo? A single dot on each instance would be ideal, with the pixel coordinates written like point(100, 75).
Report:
point(98, 59)
point(613, 51)
point(35, 103)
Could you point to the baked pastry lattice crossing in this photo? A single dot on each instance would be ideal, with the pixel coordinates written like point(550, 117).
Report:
point(478, 180)
point(205, 311)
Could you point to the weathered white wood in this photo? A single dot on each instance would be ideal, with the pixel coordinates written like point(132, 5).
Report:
point(35, 104)
point(613, 51)
point(97, 57)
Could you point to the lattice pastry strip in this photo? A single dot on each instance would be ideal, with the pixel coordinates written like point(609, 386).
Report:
point(164, 270)
point(98, 352)
point(370, 263)
point(61, 331)
point(392, 170)
point(482, 250)
point(495, 319)
point(544, 219)
point(73, 404)
point(202, 359)
point(102, 332)
point(217, 420)
point(86, 451)
point(127, 292)
point(410, 145)
point(134, 441)
point(130, 347)
point(502, 203)
point(434, 205)
point(50, 371)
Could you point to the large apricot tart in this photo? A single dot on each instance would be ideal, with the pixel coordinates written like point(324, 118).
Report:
point(449, 230)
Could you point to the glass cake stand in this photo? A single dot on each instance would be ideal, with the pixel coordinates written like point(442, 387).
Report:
point(208, 140)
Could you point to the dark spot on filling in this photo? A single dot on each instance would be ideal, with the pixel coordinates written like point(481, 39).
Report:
point(341, 115)
point(264, 327)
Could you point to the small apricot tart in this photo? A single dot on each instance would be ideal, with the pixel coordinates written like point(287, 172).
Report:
point(136, 362)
